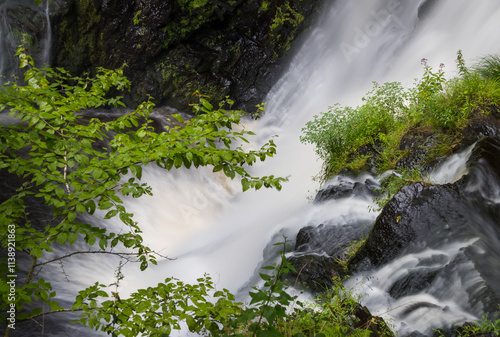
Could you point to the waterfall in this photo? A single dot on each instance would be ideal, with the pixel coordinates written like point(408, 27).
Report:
point(48, 36)
point(21, 21)
point(206, 223)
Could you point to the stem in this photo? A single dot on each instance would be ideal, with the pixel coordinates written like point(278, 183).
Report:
point(65, 171)
point(53, 312)
point(271, 289)
point(90, 252)
point(30, 272)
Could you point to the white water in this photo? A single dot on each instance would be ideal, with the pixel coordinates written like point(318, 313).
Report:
point(209, 226)
point(229, 239)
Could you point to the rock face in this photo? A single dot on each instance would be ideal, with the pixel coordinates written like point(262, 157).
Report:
point(412, 213)
point(422, 217)
point(320, 250)
point(433, 216)
point(173, 48)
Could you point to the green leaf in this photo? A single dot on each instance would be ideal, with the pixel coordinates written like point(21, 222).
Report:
point(129, 243)
point(60, 192)
point(71, 216)
point(90, 206)
point(72, 237)
point(97, 173)
point(37, 252)
point(265, 277)
point(246, 184)
point(103, 243)
point(191, 323)
point(62, 237)
point(111, 214)
point(177, 161)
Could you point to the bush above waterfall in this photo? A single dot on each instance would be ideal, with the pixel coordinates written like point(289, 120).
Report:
point(373, 135)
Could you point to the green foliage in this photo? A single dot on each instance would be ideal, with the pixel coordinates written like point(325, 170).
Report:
point(489, 67)
point(481, 327)
point(158, 310)
point(334, 313)
point(272, 311)
point(393, 183)
point(450, 104)
point(137, 17)
point(285, 16)
point(389, 112)
point(349, 251)
point(269, 304)
point(65, 168)
point(340, 132)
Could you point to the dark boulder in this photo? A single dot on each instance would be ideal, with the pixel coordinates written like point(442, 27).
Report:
point(481, 126)
point(432, 216)
point(313, 272)
point(331, 240)
point(416, 144)
point(412, 283)
point(347, 188)
point(411, 214)
point(321, 253)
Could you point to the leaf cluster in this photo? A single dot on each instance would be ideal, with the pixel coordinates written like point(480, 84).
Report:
point(76, 166)
point(390, 111)
point(272, 311)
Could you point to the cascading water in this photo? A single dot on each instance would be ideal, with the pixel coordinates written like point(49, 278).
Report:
point(204, 221)
point(22, 22)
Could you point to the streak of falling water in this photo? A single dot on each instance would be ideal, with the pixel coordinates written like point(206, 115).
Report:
point(209, 226)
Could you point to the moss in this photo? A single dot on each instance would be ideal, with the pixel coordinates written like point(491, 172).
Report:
point(181, 81)
point(81, 43)
point(264, 6)
point(26, 39)
point(284, 28)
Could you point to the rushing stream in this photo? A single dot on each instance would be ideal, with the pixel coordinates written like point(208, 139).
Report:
point(206, 223)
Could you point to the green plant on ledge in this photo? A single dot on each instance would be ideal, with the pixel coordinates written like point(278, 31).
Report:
point(348, 137)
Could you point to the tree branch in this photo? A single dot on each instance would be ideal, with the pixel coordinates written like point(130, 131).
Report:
point(51, 312)
point(124, 255)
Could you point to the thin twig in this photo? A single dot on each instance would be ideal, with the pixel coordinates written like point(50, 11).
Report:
point(99, 252)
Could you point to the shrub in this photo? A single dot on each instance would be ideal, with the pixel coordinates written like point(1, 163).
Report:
point(338, 133)
point(389, 111)
point(489, 67)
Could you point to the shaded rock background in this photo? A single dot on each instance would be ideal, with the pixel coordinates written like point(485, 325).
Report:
point(173, 48)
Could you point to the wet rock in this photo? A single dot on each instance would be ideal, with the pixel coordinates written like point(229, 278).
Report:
point(418, 209)
point(366, 321)
point(481, 126)
point(334, 192)
point(320, 254)
point(345, 189)
point(416, 143)
point(412, 284)
point(313, 272)
point(329, 239)
point(413, 212)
